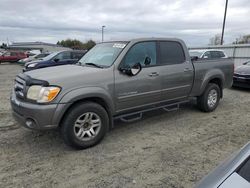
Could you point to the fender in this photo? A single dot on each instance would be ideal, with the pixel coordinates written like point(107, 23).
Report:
point(88, 92)
point(210, 75)
point(80, 94)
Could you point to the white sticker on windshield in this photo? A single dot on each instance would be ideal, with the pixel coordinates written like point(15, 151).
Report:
point(119, 45)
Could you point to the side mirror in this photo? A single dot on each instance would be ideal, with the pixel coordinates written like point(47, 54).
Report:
point(56, 60)
point(245, 63)
point(205, 57)
point(194, 58)
point(147, 61)
point(132, 71)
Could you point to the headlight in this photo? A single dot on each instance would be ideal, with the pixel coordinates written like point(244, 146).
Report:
point(32, 65)
point(42, 94)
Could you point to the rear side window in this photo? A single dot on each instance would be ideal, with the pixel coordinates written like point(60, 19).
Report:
point(171, 53)
point(221, 54)
point(13, 53)
point(77, 55)
point(217, 54)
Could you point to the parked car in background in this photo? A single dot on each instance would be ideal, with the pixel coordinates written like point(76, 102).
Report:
point(207, 54)
point(32, 58)
point(33, 52)
point(116, 80)
point(232, 173)
point(242, 76)
point(12, 56)
point(55, 59)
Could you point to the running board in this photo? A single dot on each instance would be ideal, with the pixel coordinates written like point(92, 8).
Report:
point(134, 116)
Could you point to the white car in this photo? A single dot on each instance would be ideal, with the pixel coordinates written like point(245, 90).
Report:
point(31, 58)
point(208, 54)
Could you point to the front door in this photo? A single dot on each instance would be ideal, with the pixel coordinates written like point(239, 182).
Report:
point(144, 88)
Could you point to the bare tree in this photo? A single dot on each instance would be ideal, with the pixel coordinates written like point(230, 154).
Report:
point(245, 39)
point(215, 40)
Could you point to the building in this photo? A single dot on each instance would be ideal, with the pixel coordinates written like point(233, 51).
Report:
point(42, 46)
point(240, 53)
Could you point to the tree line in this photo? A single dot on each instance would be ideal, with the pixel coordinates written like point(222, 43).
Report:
point(70, 43)
point(77, 44)
point(244, 39)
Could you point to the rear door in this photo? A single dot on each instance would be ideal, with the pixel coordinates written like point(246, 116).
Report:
point(176, 72)
point(144, 88)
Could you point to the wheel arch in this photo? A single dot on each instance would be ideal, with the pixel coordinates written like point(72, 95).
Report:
point(97, 100)
point(216, 77)
point(89, 94)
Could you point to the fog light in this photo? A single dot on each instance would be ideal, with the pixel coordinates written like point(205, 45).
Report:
point(30, 123)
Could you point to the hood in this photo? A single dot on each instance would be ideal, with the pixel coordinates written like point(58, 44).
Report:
point(244, 69)
point(34, 61)
point(68, 75)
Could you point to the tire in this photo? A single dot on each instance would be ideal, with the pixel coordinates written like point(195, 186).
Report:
point(77, 125)
point(210, 98)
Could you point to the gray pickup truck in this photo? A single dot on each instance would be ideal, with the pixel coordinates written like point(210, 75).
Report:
point(113, 80)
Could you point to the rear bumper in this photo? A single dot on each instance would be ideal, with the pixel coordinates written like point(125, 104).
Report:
point(35, 116)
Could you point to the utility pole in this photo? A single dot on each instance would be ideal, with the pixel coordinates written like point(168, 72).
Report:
point(224, 22)
point(103, 32)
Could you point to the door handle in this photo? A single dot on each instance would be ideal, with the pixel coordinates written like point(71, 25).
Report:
point(187, 70)
point(153, 74)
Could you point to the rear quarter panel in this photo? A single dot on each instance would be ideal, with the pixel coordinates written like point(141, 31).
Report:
point(206, 70)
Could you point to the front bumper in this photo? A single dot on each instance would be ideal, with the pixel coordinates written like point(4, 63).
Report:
point(241, 82)
point(34, 116)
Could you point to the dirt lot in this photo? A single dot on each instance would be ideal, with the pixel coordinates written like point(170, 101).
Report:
point(174, 149)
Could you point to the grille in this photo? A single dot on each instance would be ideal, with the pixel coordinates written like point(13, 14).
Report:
point(19, 87)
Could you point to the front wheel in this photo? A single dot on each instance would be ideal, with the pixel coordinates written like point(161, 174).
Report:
point(85, 125)
point(210, 98)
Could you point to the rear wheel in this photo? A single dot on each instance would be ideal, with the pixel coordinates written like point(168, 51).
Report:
point(210, 98)
point(85, 125)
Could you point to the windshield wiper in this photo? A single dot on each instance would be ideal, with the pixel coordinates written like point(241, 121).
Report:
point(95, 65)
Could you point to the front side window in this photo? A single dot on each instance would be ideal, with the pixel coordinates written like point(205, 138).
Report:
point(207, 55)
point(171, 53)
point(63, 56)
point(143, 53)
point(6, 54)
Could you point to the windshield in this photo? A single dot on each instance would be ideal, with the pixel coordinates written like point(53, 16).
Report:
point(195, 53)
point(103, 54)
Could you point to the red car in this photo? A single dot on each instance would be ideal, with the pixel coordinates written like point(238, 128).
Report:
point(12, 56)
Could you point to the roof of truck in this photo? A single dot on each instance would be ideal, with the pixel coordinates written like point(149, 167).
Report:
point(146, 39)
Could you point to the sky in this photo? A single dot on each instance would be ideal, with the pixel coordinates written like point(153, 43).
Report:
point(194, 21)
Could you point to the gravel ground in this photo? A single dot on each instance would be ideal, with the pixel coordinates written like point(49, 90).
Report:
point(174, 149)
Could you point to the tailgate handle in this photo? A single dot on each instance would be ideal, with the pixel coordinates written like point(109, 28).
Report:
point(153, 74)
